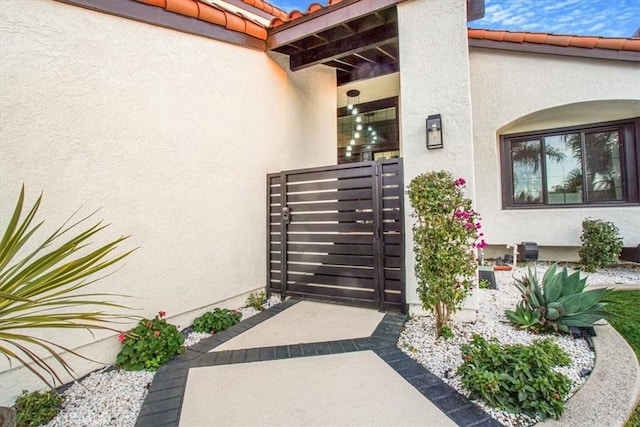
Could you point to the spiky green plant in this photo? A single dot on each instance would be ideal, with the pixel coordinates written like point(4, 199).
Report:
point(560, 303)
point(41, 287)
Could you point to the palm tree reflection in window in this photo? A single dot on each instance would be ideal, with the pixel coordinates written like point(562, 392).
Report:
point(526, 160)
point(602, 165)
point(566, 158)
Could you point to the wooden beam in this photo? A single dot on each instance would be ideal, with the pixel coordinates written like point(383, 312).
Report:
point(385, 53)
point(349, 45)
point(368, 73)
point(329, 17)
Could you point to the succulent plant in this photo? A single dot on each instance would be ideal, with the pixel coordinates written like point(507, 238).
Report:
point(559, 304)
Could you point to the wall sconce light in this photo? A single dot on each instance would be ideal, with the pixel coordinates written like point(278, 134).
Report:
point(434, 132)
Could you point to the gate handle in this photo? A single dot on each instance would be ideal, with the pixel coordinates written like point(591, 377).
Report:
point(285, 215)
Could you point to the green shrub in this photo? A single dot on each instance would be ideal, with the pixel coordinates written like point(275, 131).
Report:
point(216, 320)
point(256, 300)
point(37, 408)
point(601, 244)
point(444, 237)
point(150, 344)
point(484, 284)
point(560, 303)
point(516, 378)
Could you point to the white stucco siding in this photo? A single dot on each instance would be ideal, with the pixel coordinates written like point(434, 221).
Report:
point(170, 134)
point(517, 92)
point(434, 79)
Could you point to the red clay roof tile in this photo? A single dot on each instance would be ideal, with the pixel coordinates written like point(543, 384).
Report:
point(159, 3)
point(267, 8)
point(183, 7)
point(615, 44)
point(584, 42)
point(514, 37)
point(632, 44)
point(214, 15)
point(559, 40)
point(534, 38)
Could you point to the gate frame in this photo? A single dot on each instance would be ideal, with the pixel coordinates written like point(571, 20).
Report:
point(378, 231)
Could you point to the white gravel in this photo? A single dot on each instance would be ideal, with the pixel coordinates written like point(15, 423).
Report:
point(114, 398)
point(442, 357)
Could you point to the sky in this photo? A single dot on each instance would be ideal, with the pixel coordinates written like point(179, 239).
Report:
point(607, 18)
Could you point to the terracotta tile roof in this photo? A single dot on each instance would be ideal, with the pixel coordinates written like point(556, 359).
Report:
point(267, 8)
point(585, 42)
point(212, 14)
point(296, 14)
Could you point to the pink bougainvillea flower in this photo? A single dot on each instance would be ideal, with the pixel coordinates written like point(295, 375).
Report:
point(156, 333)
point(478, 226)
point(162, 313)
point(459, 182)
point(122, 337)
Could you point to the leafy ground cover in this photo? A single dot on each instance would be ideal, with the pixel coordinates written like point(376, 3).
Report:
point(625, 305)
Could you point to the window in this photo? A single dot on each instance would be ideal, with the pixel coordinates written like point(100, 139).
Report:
point(590, 165)
point(371, 134)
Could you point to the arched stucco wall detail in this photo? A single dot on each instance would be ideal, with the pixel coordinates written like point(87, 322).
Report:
point(519, 92)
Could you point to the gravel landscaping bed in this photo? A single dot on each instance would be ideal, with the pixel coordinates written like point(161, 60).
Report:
point(442, 357)
point(113, 397)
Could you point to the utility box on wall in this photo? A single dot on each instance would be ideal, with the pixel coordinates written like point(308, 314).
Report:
point(528, 251)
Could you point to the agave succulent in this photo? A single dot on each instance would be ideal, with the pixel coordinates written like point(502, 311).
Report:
point(41, 286)
point(559, 304)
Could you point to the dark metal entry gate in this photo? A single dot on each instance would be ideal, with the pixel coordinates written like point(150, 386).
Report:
point(336, 233)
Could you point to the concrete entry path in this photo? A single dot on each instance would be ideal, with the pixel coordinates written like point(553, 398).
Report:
point(305, 363)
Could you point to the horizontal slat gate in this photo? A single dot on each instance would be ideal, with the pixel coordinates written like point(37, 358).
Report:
point(341, 233)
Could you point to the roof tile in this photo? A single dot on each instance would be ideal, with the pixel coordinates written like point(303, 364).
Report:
point(632, 44)
point(615, 44)
point(586, 42)
point(213, 15)
point(538, 38)
point(559, 40)
point(183, 7)
point(159, 3)
point(235, 22)
point(582, 42)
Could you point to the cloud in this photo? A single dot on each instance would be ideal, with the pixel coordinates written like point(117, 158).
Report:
point(611, 18)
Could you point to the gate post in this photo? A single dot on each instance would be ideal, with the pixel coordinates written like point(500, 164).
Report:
point(284, 226)
point(378, 249)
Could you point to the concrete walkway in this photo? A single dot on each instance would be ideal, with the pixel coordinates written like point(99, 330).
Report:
point(305, 363)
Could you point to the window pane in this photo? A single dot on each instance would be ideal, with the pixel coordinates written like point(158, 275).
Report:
point(604, 179)
point(527, 172)
point(362, 136)
point(564, 168)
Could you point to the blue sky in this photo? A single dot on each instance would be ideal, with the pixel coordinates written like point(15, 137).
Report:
point(609, 18)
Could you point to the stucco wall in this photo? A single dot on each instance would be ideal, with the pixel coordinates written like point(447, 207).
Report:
point(434, 79)
point(515, 92)
point(170, 134)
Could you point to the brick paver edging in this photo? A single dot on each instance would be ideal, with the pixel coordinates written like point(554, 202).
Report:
point(163, 404)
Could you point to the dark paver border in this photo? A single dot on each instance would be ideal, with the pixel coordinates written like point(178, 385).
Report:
point(163, 403)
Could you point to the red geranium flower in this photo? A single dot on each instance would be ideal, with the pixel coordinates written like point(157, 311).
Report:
point(122, 337)
point(162, 314)
point(156, 333)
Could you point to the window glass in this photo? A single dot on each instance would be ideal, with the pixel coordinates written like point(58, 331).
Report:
point(604, 177)
point(371, 133)
point(563, 156)
point(593, 164)
point(526, 163)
